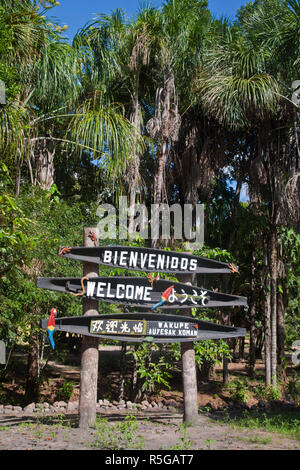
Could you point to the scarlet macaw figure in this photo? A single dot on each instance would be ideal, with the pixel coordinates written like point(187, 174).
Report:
point(164, 297)
point(51, 326)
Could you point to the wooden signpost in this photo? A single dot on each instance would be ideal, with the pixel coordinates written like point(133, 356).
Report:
point(89, 346)
point(149, 292)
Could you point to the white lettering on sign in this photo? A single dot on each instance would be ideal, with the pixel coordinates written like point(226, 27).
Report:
point(149, 261)
point(97, 326)
point(133, 259)
point(139, 327)
point(123, 258)
point(90, 289)
point(124, 328)
point(111, 326)
point(120, 295)
point(121, 291)
point(107, 256)
point(142, 293)
point(100, 288)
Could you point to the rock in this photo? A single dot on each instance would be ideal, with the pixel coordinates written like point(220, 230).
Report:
point(72, 405)
point(60, 404)
point(172, 403)
point(145, 403)
point(106, 403)
point(29, 408)
point(17, 409)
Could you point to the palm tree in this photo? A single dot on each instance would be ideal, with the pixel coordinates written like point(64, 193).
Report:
point(53, 89)
point(240, 84)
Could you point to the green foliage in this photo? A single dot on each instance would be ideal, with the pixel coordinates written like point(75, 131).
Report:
point(267, 393)
point(154, 373)
point(238, 391)
point(293, 388)
point(65, 392)
point(285, 423)
point(211, 352)
point(117, 436)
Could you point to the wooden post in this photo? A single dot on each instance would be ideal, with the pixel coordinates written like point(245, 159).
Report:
point(89, 347)
point(189, 375)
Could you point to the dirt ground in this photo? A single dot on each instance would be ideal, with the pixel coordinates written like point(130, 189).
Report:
point(151, 429)
point(154, 430)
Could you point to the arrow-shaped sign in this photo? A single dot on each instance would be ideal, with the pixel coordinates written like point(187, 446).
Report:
point(146, 259)
point(138, 327)
point(139, 291)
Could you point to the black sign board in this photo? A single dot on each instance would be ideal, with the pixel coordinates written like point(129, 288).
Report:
point(146, 259)
point(145, 326)
point(139, 291)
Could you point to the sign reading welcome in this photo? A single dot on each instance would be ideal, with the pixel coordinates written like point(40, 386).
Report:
point(139, 291)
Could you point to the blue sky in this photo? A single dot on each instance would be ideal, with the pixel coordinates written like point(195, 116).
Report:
point(75, 13)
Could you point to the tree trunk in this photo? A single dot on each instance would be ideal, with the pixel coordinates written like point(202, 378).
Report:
point(159, 177)
point(44, 165)
point(89, 348)
point(280, 328)
point(267, 308)
point(32, 389)
point(252, 346)
point(122, 370)
point(225, 370)
point(273, 272)
point(189, 375)
point(133, 170)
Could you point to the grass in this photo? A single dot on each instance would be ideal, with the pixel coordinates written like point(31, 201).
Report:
point(117, 436)
point(284, 423)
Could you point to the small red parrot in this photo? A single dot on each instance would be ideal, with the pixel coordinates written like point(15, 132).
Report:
point(164, 297)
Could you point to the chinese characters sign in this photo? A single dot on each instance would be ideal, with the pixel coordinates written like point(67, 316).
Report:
point(120, 327)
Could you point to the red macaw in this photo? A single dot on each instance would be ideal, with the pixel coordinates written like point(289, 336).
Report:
point(164, 297)
point(51, 326)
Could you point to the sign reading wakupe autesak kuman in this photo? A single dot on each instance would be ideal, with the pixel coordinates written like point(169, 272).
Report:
point(145, 326)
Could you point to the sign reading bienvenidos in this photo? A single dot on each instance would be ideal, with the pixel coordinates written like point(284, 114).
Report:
point(139, 291)
point(146, 259)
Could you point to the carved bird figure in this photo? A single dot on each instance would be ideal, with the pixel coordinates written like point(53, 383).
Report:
point(51, 326)
point(164, 297)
